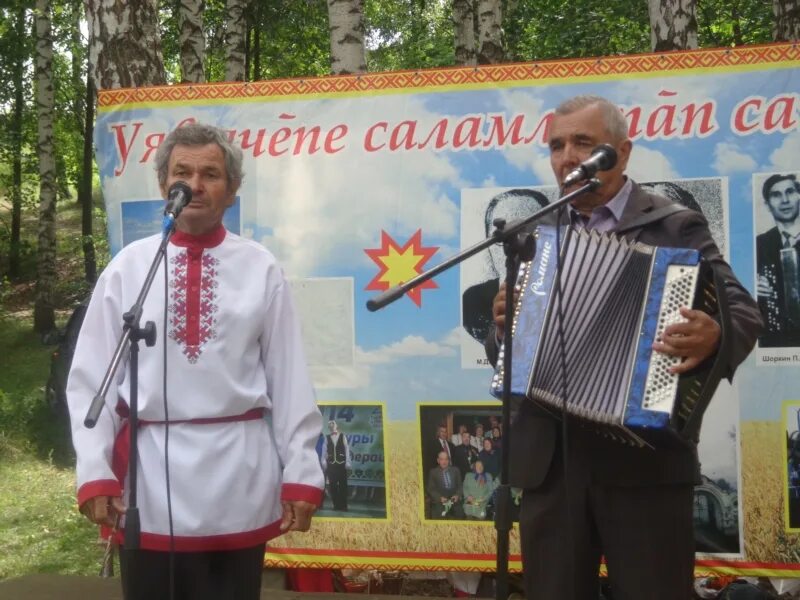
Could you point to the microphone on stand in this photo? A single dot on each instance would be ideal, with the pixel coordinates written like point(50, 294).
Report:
point(179, 195)
point(603, 158)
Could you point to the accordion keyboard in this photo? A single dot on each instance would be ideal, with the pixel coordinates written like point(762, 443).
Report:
point(661, 385)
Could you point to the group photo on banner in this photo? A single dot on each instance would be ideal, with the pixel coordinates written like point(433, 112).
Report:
point(362, 186)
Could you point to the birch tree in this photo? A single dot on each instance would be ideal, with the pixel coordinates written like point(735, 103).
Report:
point(346, 25)
point(124, 43)
point(192, 40)
point(673, 24)
point(464, 31)
point(787, 20)
point(43, 310)
point(235, 33)
point(490, 32)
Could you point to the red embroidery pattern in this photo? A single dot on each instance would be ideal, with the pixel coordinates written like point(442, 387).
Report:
point(193, 327)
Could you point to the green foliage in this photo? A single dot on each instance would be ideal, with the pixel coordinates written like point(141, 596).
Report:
point(169, 28)
point(294, 38)
point(734, 22)
point(549, 29)
point(408, 34)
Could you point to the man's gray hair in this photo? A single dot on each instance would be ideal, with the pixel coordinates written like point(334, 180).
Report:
point(200, 134)
point(612, 116)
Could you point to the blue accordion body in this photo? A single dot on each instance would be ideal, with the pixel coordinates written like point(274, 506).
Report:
point(615, 298)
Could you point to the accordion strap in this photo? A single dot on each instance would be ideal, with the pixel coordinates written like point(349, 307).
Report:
point(652, 217)
point(720, 361)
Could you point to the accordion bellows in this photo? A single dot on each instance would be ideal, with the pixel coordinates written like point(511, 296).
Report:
point(584, 324)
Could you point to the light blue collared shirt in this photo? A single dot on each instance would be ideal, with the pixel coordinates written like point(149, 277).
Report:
point(605, 217)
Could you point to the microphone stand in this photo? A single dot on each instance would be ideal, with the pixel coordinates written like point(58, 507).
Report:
point(132, 333)
point(517, 248)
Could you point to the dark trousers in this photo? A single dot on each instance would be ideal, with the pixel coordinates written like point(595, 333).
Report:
point(337, 485)
point(645, 533)
point(223, 575)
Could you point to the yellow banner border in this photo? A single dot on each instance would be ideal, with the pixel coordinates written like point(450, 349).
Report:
point(297, 558)
point(553, 72)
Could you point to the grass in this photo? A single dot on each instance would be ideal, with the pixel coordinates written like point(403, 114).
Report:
point(41, 530)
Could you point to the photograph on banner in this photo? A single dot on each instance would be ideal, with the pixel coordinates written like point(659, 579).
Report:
point(351, 451)
point(481, 275)
point(791, 496)
point(143, 218)
point(461, 448)
point(776, 206)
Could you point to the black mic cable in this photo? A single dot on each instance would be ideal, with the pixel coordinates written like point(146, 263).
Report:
point(166, 414)
point(560, 317)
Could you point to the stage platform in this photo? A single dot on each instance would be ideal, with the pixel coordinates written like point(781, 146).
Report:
point(68, 587)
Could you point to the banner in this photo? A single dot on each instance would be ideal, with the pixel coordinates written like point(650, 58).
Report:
point(358, 183)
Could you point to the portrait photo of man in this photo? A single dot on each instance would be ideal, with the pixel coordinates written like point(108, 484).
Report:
point(777, 243)
point(481, 276)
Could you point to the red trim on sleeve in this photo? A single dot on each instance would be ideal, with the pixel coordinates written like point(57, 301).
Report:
point(298, 491)
point(101, 487)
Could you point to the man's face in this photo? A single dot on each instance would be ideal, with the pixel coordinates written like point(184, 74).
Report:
point(509, 208)
point(442, 459)
point(332, 427)
point(465, 438)
point(783, 200)
point(442, 433)
point(203, 169)
point(572, 138)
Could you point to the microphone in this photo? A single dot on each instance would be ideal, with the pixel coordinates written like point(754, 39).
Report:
point(603, 158)
point(179, 195)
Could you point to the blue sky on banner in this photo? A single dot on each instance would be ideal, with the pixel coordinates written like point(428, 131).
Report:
point(317, 213)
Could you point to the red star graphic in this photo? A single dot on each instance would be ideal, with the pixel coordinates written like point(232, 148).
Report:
point(400, 264)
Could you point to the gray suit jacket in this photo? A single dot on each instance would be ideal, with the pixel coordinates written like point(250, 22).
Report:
point(536, 435)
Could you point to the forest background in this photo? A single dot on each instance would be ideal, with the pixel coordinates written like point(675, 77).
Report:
point(55, 54)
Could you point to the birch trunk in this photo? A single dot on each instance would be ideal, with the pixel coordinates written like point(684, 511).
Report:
point(235, 32)
point(464, 31)
point(125, 44)
point(787, 20)
point(192, 40)
point(43, 310)
point(346, 25)
point(490, 32)
point(673, 24)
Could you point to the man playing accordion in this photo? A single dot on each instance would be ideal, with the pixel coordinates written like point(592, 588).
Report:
point(632, 505)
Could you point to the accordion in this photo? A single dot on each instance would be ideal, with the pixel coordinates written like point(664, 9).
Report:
point(582, 334)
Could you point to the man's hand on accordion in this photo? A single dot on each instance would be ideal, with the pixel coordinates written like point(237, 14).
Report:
point(499, 311)
point(694, 340)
